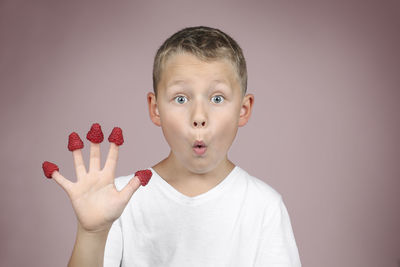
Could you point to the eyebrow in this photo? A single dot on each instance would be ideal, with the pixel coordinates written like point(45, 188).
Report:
point(176, 82)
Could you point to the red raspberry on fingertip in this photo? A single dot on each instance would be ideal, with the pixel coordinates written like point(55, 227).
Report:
point(95, 135)
point(74, 142)
point(144, 176)
point(49, 168)
point(116, 136)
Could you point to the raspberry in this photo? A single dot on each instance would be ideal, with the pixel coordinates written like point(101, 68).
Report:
point(49, 168)
point(144, 176)
point(74, 142)
point(95, 135)
point(116, 136)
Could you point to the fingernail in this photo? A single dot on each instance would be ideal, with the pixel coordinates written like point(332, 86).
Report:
point(116, 136)
point(49, 168)
point(95, 135)
point(74, 142)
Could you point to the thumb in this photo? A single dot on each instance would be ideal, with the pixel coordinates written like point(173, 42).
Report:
point(127, 192)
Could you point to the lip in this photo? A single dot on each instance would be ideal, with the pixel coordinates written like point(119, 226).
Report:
point(199, 147)
point(200, 150)
point(198, 143)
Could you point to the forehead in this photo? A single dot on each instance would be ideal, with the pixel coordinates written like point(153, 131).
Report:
point(186, 68)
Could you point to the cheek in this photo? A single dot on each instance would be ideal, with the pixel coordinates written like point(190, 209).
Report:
point(172, 125)
point(227, 124)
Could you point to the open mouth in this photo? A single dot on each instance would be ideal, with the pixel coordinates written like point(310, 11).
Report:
point(199, 147)
point(199, 144)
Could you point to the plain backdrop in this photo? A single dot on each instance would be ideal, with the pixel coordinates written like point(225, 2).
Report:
point(324, 130)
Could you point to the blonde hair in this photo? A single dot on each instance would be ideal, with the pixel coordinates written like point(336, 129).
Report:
point(207, 44)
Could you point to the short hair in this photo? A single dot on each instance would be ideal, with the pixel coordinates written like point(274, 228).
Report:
point(207, 44)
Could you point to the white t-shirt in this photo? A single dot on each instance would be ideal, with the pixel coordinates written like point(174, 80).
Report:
point(242, 221)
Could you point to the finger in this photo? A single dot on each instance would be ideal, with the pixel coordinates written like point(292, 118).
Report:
point(48, 168)
point(63, 182)
point(127, 192)
point(80, 168)
point(95, 136)
point(75, 145)
point(95, 158)
point(112, 158)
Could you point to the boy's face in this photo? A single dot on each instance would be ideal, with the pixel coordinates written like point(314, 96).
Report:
point(199, 101)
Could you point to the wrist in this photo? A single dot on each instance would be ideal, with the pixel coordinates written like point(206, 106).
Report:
point(99, 233)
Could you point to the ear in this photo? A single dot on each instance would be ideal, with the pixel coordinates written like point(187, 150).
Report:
point(245, 111)
point(153, 109)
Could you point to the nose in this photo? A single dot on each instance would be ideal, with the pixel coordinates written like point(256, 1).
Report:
point(195, 123)
point(199, 118)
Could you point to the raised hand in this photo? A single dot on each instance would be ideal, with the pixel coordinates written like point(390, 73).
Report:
point(95, 199)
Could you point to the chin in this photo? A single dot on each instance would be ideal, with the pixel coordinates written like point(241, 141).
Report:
point(202, 168)
point(201, 165)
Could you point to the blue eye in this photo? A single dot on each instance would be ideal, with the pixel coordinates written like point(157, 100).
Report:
point(217, 99)
point(180, 99)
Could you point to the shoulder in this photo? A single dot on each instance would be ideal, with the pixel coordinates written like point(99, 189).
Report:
point(260, 190)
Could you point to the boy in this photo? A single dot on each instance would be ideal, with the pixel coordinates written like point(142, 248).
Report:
point(199, 208)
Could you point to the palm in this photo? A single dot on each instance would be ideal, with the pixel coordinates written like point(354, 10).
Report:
point(95, 199)
point(96, 202)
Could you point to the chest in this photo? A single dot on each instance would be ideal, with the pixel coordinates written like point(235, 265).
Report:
point(209, 235)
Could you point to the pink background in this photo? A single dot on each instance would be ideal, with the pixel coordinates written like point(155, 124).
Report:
point(324, 132)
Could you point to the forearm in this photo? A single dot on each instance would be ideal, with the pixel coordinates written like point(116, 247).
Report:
point(88, 249)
